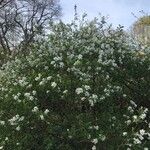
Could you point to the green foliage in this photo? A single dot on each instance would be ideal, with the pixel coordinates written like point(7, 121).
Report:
point(87, 87)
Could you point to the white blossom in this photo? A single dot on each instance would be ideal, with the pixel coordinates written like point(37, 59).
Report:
point(2, 122)
point(142, 116)
point(42, 117)
point(95, 141)
point(79, 91)
point(34, 92)
point(87, 87)
point(136, 141)
point(18, 128)
point(49, 78)
point(80, 56)
point(142, 131)
point(65, 91)
point(93, 147)
point(46, 111)
point(53, 84)
point(124, 133)
point(35, 109)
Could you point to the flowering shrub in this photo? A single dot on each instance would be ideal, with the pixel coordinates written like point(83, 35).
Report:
point(87, 87)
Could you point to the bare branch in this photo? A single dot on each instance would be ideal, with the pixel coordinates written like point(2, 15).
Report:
point(22, 21)
point(3, 3)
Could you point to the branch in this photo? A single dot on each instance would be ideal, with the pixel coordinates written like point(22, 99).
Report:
point(3, 4)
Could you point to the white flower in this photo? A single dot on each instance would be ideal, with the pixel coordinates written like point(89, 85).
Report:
point(46, 67)
point(124, 133)
point(57, 58)
point(29, 86)
point(128, 122)
point(13, 120)
point(33, 92)
point(142, 131)
point(6, 139)
point(18, 128)
point(49, 78)
point(87, 94)
point(80, 56)
point(31, 98)
point(135, 117)
point(35, 109)
point(96, 127)
point(94, 96)
point(145, 110)
point(95, 141)
point(146, 148)
point(89, 136)
point(136, 141)
point(42, 82)
point(77, 63)
point(61, 64)
point(79, 91)
point(53, 84)
point(42, 117)
point(70, 136)
point(1, 147)
point(37, 78)
point(46, 111)
point(21, 118)
point(114, 118)
point(142, 116)
point(87, 87)
point(15, 97)
point(124, 95)
point(133, 103)
point(103, 137)
point(83, 99)
point(2, 122)
point(130, 109)
point(140, 137)
point(91, 102)
point(52, 62)
point(47, 91)
point(65, 91)
point(93, 147)
point(27, 94)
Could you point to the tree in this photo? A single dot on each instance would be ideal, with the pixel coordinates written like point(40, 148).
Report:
point(22, 21)
point(141, 29)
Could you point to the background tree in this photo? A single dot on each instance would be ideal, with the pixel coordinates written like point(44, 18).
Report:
point(23, 21)
point(141, 29)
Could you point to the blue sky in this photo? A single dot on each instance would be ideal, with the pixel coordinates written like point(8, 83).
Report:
point(118, 11)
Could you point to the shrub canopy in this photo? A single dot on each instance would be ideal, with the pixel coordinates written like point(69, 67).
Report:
point(86, 87)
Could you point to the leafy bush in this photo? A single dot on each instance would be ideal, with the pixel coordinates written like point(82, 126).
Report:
point(87, 87)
